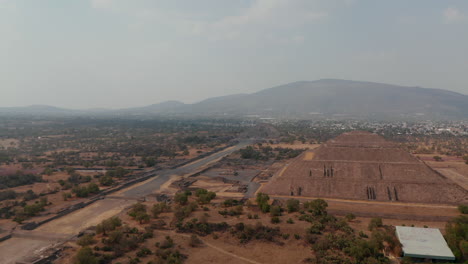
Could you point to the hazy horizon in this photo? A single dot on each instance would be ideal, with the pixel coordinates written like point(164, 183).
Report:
point(203, 99)
point(119, 54)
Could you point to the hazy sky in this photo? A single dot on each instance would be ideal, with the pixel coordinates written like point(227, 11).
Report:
point(122, 53)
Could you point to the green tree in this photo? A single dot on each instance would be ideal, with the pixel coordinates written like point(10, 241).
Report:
point(138, 208)
point(275, 210)
point(86, 240)
point(69, 170)
point(292, 205)
point(106, 180)
point(160, 208)
point(456, 235)
point(93, 188)
point(48, 171)
point(86, 256)
point(375, 223)
point(350, 217)
point(195, 241)
point(181, 198)
point(142, 217)
point(66, 196)
point(149, 161)
point(317, 207)
point(108, 225)
point(463, 208)
point(205, 198)
point(262, 198)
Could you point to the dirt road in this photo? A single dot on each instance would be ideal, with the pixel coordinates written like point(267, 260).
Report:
point(389, 210)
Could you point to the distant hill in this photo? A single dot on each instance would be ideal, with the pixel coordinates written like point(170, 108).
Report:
point(327, 97)
point(36, 109)
point(341, 97)
point(164, 107)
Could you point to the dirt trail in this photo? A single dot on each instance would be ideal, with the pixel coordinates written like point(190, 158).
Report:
point(368, 202)
point(386, 210)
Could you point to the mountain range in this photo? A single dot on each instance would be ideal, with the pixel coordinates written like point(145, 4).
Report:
point(326, 97)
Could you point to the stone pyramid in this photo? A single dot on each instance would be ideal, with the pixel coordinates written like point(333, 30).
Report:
point(364, 166)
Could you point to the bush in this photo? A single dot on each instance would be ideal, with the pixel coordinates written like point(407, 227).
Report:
point(375, 223)
point(275, 210)
point(456, 235)
point(245, 233)
point(108, 225)
point(84, 191)
point(143, 252)
point(204, 196)
point(250, 153)
point(195, 241)
point(106, 180)
point(160, 208)
point(66, 196)
point(317, 207)
point(350, 217)
point(18, 179)
point(86, 240)
point(30, 195)
point(170, 256)
point(137, 209)
point(6, 195)
point(292, 205)
point(262, 201)
point(86, 256)
point(181, 198)
point(142, 217)
point(202, 228)
point(232, 212)
point(463, 208)
point(230, 202)
point(199, 192)
point(167, 243)
point(182, 212)
point(275, 220)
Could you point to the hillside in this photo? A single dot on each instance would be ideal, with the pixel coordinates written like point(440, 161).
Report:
point(340, 97)
point(327, 97)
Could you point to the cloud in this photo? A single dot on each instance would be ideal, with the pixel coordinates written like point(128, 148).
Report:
point(101, 4)
point(272, 20)
point(264, 17)
point(452, 15)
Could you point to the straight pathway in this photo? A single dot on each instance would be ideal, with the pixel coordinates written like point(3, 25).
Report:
point(21, 248)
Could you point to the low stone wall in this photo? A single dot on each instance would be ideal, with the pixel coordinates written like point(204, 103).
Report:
point(5, 237)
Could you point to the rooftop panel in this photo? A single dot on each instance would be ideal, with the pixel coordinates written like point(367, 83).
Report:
point(423, 243)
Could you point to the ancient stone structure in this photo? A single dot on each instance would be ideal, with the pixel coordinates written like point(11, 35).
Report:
point(364, 166)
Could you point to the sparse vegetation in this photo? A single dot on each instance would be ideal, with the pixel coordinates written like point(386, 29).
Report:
point(457, 237)
point(292, 205)
point(463, 208)
point(375, 223)
point(262, 201)
point(204, 196)
point(18, 179)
